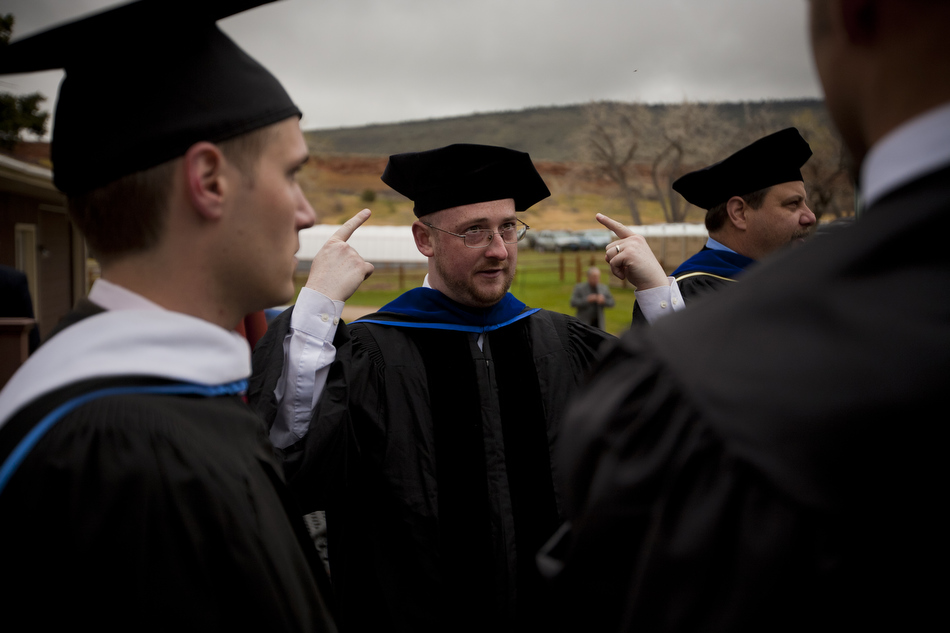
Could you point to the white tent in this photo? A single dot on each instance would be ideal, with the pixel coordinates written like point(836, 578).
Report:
point(375, 244)
point(671, 230)
point(394, 244)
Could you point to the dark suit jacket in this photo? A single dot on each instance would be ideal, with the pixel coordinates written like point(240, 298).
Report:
point(773, 459)
point(590, 313)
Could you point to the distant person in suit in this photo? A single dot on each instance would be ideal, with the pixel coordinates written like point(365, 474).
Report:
point(590, 298)
point(755, 203)
point(775, 459)
point(15, 300)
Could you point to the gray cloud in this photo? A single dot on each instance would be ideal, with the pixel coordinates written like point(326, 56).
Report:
point(368, 61)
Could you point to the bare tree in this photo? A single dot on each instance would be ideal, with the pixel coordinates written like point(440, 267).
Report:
point(826, 173)
point(692, 135)
point(757, 122)
point(636, 146)
point(614, 136)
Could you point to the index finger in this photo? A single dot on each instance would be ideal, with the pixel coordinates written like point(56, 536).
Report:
point(344, 232)
point(619, 229)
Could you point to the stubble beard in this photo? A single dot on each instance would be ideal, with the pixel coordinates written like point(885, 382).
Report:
point(803, 234)
point(468, 293)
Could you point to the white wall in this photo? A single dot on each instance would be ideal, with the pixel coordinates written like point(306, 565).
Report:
point(377, 244)
point(394, 244)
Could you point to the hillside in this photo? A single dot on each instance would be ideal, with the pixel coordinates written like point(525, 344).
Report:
point(550, 133)
point(343, 176)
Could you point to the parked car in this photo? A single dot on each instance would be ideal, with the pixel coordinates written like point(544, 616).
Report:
point(556, 241)
point(583, 244)
point(597, 239)
point(544, 241)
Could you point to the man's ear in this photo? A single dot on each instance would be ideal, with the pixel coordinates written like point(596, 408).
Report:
point(423, 238)
point(736, 209)
point(204, 179)
point(861, 20)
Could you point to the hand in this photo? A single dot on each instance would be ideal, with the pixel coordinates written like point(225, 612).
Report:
point(630, 257)
point(337, 269)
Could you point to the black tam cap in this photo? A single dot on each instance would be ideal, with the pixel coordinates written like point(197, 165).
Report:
point(462, 174)
point(145, 81)
point(771, 160)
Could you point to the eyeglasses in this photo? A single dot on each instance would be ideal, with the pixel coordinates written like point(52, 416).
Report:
point(510, 233)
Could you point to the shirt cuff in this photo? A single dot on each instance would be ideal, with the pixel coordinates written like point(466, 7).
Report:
point(315, 314)
point(660, 301)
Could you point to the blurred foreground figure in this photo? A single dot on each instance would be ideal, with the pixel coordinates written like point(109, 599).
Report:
point(137, 489)
point(772, 460)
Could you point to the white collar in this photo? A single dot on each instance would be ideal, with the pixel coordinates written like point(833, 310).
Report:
point(112, 296)
point(717, 246)
point(912, 150)
point(158, 343)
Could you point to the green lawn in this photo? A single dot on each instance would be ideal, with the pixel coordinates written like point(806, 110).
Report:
point(543, 280)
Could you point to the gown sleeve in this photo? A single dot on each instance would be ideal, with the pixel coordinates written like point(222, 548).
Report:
point(668, 530)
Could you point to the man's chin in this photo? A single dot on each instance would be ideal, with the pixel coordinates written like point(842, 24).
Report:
point(487, 296)
point(281, 299)
point(800, 238)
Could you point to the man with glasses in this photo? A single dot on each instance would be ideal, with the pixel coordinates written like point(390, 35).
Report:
point(430, 445)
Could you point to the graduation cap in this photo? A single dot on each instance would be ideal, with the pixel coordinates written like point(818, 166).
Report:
point(463, 174)
point(145, 81)
point(771, 160)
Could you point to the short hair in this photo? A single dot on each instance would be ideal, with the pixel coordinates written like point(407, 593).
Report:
point(716, 216)
point(128, 215)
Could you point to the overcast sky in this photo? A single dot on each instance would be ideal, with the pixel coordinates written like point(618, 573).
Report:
point(354, 62)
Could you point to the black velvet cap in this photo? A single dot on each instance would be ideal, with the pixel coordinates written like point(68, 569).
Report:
point(771, 160)
point(462, 174)
point(145, 81)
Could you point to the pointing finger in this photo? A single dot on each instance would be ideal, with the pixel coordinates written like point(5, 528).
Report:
point(619, 229)
point(344, 232)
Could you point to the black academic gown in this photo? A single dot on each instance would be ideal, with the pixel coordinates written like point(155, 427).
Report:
point(772, 461)
point(706, 272)
point(432, 459)
point(152, 511)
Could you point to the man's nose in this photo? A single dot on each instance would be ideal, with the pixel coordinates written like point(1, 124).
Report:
point(496, 248)
point(306, 216)
point(808, 217)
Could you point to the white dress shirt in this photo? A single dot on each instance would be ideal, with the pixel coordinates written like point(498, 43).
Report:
point(912, 150)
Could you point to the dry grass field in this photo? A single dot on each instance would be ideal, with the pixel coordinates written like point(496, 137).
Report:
point(339, 186)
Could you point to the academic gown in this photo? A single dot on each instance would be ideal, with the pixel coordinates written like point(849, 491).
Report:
point(155, 505)
point(433, 458)
point(785, 473)
point(706, 272)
